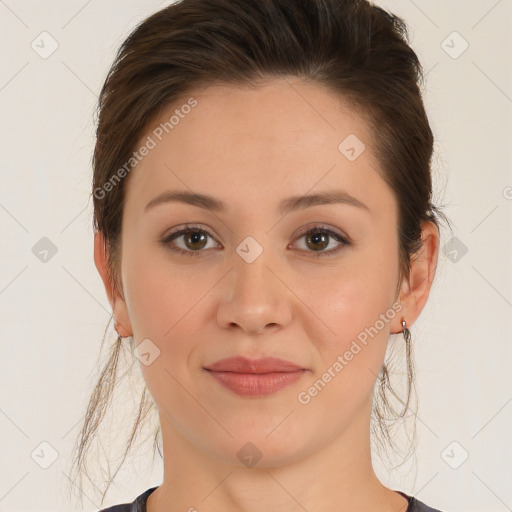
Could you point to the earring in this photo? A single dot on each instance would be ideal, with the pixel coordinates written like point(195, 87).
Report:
point(406, 332)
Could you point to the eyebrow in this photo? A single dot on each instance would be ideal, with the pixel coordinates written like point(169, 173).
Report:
point(286, 206)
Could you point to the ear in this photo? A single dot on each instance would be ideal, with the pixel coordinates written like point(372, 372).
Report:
point(415, 291)
point(116, 301)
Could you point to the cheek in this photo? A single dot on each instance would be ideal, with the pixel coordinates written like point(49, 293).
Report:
point(165, 307)
point(353, 297)
point(159, 294)
point(355, 307)
point(350, 353)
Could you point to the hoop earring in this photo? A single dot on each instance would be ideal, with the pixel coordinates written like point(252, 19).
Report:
point(408, 358)
point(406, 333)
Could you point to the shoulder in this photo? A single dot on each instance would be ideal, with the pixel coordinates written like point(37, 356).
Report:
point(415, 505)
point(137, 505)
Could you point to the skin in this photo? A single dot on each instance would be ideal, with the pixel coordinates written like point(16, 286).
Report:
point(250, 148)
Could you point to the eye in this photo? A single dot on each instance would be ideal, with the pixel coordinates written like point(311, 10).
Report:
point(194, 239)
point(318, 238)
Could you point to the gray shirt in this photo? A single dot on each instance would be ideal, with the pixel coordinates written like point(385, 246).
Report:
point(139, 504)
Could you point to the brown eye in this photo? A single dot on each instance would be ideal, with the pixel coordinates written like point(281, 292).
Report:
point(318, 238)
point(193, 240)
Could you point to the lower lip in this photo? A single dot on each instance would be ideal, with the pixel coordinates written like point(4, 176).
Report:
point(257, 384)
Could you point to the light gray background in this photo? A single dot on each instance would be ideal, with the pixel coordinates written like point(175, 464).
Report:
point(53, 313)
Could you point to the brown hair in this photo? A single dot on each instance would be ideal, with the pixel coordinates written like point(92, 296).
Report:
point(351, 47)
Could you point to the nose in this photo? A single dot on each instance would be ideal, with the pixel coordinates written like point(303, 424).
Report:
point(254, 298)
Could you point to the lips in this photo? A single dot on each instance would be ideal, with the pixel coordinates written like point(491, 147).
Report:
point(262, 365)
point(253, 378)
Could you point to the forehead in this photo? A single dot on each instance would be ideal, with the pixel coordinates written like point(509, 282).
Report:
point(284, 137)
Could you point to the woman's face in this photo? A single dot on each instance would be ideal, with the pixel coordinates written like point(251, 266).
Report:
point(246, 280)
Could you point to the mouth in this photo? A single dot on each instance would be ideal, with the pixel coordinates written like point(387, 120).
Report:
point(256, 384)
point(255, 377)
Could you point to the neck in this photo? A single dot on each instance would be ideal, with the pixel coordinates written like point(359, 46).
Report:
point(336, 476)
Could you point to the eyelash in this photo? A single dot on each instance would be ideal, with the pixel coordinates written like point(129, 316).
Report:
point(166, 241)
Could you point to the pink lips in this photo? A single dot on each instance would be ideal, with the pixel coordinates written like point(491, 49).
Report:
point(255, 377)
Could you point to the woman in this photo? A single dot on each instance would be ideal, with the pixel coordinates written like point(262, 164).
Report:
point(263, 222)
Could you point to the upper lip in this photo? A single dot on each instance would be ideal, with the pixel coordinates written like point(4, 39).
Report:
point(245, 365)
